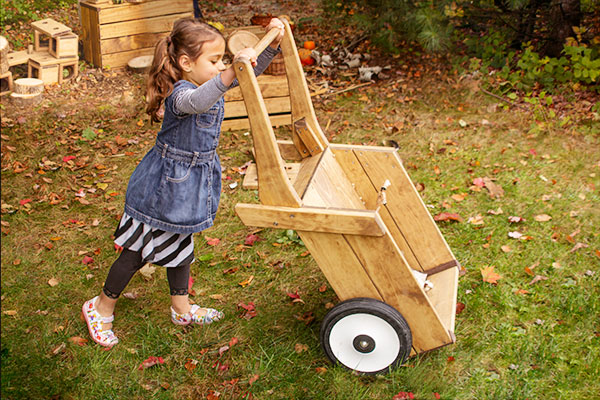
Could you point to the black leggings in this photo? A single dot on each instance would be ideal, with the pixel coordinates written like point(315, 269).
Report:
point(129, 262)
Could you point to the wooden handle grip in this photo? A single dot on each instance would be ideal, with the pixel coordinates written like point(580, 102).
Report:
point(266, 40)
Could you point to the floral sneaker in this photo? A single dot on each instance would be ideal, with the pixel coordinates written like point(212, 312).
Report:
point(95, 322)
point(211, 316)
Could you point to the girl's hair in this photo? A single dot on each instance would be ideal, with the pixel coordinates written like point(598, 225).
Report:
point(187, 38)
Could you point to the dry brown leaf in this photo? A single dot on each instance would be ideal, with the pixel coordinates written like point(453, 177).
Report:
point(489, 275)
point(495, 190)
point(538, 278)
point(53, 282)
point(542, 218)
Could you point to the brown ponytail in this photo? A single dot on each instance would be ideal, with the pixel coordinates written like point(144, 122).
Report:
point(187, 38)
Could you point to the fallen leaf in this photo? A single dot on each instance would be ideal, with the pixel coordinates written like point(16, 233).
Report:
point(233, 341)
point(515, 235)
point(53, 282)
point(321, 370)
point(495, 190)
point(460, 307)
point(130, 295)
point(521, 291)
point(250, 310)
point(447, 217)
point(59, 349)
point(151, 361)
point(542, 218)
point(250, 239)
point(212, 241)
point(496, 212)
point(223, 349)
point(12, 313)
point(87, 260)
point(78, 340)
point(253, 379)
point(578, 246)
point(299, 348)
point(506, 248)
point(476, 220)
point(488, 275)
point(190, 364)
point(538, 278)
point(478, 182)
point(459, 197)
point(514, 219)
point(147, 271)
point(247, 281)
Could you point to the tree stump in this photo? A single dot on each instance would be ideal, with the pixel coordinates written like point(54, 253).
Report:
point(140, 64)
point(25, 100)
point(4, 48)
point(28, 86)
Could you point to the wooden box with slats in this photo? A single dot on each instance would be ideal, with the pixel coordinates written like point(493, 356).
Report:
point(113, 34)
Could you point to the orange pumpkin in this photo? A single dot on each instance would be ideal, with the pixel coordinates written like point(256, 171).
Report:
point(310, 45)
point(305, 57)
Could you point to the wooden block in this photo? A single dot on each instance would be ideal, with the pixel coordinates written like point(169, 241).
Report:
point(443, 295)
point(312, 219)
point(6, 83)
point(63, 46)
point(68, 70)
point(308, 137)
point(48, 73)
point(18, 57)
point(28, 86)
point(25, 100)
point(44, 30)
point(4, 49)
point(241, 39)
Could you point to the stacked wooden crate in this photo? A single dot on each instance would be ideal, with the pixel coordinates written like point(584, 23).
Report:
point(113, 34)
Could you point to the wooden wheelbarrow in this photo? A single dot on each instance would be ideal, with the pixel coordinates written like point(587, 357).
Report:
point(363, 221)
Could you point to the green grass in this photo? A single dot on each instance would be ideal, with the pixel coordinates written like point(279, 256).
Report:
point(543, 344)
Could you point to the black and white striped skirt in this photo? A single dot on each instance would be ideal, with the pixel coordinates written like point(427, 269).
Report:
point(157, 246)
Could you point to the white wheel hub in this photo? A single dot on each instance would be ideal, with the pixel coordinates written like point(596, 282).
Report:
point(364, 342)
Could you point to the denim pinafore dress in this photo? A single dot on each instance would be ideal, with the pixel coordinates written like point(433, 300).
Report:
point(177, 185)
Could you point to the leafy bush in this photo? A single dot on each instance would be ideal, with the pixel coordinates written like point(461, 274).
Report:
point(27, 10)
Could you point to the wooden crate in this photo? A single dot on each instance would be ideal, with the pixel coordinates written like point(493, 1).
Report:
point(64, 46)
point(277, 99)
point(112, 34)
point(45, 30)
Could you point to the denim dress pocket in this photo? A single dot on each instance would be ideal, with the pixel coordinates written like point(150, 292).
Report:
point(178, 172)
point(208, 118)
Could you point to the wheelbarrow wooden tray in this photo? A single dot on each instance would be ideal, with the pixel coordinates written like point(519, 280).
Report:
point(364, 248)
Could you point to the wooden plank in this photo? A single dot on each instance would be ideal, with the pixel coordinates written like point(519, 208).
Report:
point(156, 8)
point(307, 170)
point(312, 219)
point(150, 25)
point(330, 187)
point(391, 275)
point(443, 295)
point(307, 136)
point(299, 94)
point(343, 146)
point(118, 60)
point(50, 27)
point(270, 86)
point(18, 58)
point(274, 185)
point(369, 193)
point(274, 105)
point(133, 42)
point(243, 123)
point(340, 265)
point(407, 208)
point(251, 176)
point(90, 34)
point(288, 150)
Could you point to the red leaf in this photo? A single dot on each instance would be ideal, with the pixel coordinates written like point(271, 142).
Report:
point(488, 275)
point(190, 283)
point(212, 241)
point(233, 341)
point(250, 239)
point(68, 158)
point(478, 182)
point(436, 395)
point(87, 260)
point(404, 396)
point(447, 217)
point(25, 201)
point(250, 310)
point(293, 295)
point(459, 307)
point(118, 248)
point(151, 361)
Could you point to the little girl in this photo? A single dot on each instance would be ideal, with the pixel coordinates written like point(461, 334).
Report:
point(175, 189)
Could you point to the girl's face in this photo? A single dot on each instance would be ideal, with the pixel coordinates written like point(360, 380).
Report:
point(208, 65)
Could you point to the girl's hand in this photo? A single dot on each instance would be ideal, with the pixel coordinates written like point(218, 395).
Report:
point(248, 54)
point(276, 23)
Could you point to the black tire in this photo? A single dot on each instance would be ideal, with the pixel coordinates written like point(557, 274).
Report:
point(356, 345)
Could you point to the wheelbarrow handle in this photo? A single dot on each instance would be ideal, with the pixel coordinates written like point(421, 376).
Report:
point(266, 40)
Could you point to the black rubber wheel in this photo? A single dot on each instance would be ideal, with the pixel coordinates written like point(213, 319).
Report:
point(366, 335)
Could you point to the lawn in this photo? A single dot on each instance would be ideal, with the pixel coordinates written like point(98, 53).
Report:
point(532, 332)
